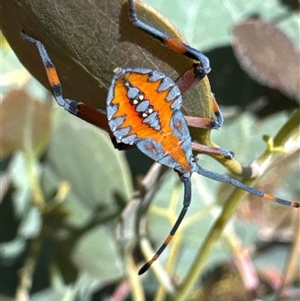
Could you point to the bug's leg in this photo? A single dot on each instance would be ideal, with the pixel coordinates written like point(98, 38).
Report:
point(226, 179)
point(202, 122)
point(79, 109)
point(188, 80)
point(210, 150)
point(207, 123)
point(171, 42)
point(186, 204)
point(217, 112)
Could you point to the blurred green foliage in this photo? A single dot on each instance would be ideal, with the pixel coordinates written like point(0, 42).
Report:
point(64, 188)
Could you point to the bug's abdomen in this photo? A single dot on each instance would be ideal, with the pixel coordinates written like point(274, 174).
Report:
point(143, 108)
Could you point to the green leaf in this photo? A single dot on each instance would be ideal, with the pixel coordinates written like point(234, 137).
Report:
point(84, 156)
point(208, 25)
point(96, 254)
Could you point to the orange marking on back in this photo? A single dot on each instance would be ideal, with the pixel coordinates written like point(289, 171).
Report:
point(170, 143)
point(175, 44)
point(52, 76)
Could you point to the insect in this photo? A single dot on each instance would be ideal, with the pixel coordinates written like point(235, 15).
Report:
point(143, 109)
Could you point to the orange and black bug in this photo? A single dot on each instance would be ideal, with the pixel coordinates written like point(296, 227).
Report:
point(143, 109)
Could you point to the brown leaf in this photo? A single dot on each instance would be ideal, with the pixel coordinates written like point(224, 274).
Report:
point(25, 123)
point(268, 56)
point(87, 40)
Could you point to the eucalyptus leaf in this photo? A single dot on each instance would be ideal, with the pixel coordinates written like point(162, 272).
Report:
point(96, 254)
point(82, 155)
point(208, 25)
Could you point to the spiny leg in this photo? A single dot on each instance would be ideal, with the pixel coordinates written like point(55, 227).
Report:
point(226, 179)
point(171, 42)
point(79, 109)
point(186, 204)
